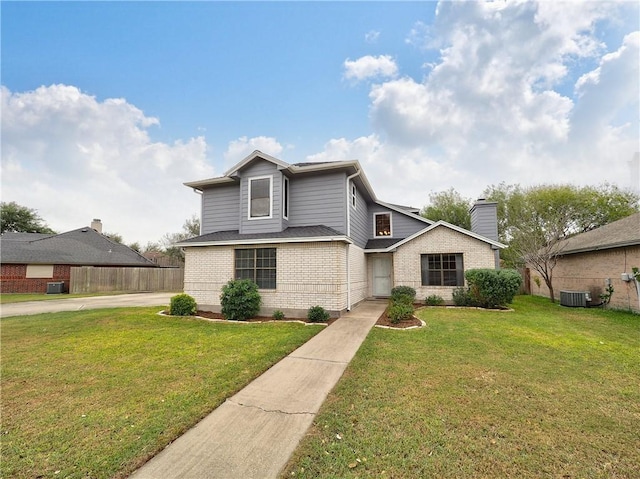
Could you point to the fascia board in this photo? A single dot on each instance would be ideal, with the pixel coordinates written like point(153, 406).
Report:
point(200, 184)
point(405, 212)
point(316, 239)
point(256, 154)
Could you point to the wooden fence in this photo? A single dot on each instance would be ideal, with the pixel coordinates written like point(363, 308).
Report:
point(86, 279)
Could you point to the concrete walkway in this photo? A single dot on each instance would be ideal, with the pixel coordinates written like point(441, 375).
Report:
point(90, 302)
point(254, 433)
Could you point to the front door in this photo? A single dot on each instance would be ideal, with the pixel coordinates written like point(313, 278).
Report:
point(382, 275)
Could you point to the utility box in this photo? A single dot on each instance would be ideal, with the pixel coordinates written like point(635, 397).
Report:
point(575, 299)
point(55, 287)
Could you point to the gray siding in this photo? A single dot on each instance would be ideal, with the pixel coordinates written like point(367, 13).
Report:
point(360, 232)
point(318, 200)
point(484, 219)
point(270, 225)
point(402, 225)
point(220, 211)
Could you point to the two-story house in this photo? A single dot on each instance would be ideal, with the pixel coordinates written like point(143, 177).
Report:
point(316, 234)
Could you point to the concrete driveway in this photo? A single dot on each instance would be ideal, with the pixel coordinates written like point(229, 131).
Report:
point(92, 302)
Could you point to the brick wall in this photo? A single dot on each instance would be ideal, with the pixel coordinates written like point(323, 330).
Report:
point(14, 280)
point(307, 274)
point(588, 271)
point(406, 260)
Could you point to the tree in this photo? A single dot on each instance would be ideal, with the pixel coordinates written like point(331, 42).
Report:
point(20, 219)
point(190, 228)
point(115, 237)
point(535, 221)
point(449, 206)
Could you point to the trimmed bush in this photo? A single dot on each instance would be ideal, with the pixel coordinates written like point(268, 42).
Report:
point(405, 294)
point(317, 314)
point(462, 297)
point(490, 288)
point(182, 305)
point(434, 300)
point(240, 299)
point(278, 315)
point(399, 311)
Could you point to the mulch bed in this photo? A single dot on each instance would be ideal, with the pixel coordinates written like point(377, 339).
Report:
point(255, 319)
point(384, 320)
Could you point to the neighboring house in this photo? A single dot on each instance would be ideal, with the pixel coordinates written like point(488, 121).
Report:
point(316, 234)
point(31, 260)
point(588, 260)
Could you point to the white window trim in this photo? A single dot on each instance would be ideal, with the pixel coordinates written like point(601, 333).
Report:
point(286, 191)
point(251, 218)
point(390, 224)
point(354, 196)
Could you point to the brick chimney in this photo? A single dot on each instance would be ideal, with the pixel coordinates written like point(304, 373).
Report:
point(484, 221)
point(96, 224)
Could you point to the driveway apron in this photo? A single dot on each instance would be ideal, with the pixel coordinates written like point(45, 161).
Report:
point(254, 433)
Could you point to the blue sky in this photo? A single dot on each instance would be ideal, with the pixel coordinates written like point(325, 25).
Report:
point(109, 107)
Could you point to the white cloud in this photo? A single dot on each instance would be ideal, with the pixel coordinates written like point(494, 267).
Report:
point(244, 146)
point(369, 67)
point(74, 158)
point(492, 107)
point(371, 36)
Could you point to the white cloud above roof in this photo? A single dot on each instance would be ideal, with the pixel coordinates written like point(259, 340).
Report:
point(370, 67)
point(79, 158)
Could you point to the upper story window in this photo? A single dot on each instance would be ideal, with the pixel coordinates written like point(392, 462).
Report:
point(382, 224)
point(260, 194)
point(285, 198)
point(354, 195)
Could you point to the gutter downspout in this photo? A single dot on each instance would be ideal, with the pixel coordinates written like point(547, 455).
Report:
point(348, 198)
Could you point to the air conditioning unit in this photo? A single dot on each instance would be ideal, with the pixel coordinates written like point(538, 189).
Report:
point(55, 288)
point(575, 299)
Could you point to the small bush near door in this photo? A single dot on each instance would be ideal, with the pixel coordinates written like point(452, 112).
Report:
point(399, 311)
point(317, 314)
point(182, 305)
point(405, 294)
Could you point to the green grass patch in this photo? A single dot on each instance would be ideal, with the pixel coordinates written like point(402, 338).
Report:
point(24, 297)
point(97, 393)
point(543, 391)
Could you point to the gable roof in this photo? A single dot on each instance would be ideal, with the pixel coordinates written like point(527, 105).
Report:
point(82, 247)
point(386, 245)
point(351, 167)
point(624, 232)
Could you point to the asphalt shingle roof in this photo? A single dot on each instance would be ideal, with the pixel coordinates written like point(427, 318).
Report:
point(382, 243)
point(288, 233)
point(624, 232)
point(83, 246)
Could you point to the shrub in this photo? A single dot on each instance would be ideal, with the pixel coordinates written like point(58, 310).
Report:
point(240, 299)
point(399, 311)
point(317, 314)
point(405, 294)
point(182, 305)
point(278, 315)
point(462, 297)
point(490, 288)
point(434, 300)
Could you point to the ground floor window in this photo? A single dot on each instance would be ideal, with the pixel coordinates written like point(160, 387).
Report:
point(442, 269)
point(258, 265)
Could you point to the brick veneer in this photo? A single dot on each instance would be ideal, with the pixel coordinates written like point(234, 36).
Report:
point(588, 271)
point(14, 280)
point(307, 274)
point(406, 260)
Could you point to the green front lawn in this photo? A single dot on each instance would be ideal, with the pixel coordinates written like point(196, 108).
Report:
point(96, 393)
point(543, 391)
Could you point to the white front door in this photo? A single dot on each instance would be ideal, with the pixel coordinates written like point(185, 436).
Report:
point(382, 275)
